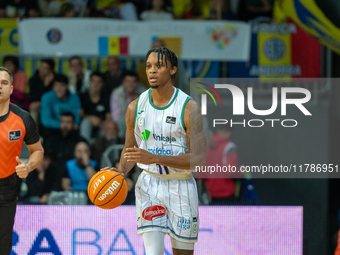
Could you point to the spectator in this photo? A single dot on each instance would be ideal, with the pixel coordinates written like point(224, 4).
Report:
point(79, 77)
point(113, 77)
point(79, 170)
point(67, 10)
point(182, 9)
point(39, 185)
point(16, 8)
point(257, 8)
point(62, 145)
point(18, 96)
point(33, 12)
point(41, 82)
point(122, 96)
point(220, 10)
point(221, 151)
point(19, 77)
point(118, 9)
point(49, 8)
point(57, 101)
point(157, 12)
point(110, 137)
point(94, 107)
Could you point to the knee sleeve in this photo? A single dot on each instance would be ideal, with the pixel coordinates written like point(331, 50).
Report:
point(153, 243)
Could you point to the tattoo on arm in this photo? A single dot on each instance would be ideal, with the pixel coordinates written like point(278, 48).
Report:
point(195, 133)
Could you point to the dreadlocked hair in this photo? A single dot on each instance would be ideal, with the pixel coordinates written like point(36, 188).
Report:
point(168, 55)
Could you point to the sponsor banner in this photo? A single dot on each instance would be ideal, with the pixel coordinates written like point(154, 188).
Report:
point(86, 230)
point(198, 40)
point(319, 20)
point(280, 50)
point(8, 36)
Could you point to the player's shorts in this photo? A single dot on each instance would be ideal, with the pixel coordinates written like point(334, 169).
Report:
point(168, 206)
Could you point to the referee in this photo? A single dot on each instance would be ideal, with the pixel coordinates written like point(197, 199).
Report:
point(16, 126)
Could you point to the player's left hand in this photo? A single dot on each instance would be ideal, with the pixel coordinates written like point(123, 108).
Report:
point(137, 155)
point(21, 169)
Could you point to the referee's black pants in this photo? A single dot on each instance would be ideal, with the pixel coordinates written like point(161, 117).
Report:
point(8, 205)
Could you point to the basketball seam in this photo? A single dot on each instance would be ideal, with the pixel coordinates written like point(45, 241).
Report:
point(88, 189)
point(115, 195)
point(103, 187)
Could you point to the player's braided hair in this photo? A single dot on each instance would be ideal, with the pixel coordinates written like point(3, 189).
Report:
point(168, 55)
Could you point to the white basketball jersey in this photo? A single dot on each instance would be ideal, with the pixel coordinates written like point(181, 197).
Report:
point(161, 131)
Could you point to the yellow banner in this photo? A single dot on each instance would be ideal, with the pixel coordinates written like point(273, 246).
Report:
point(8, 36)
point(274, 49)
point(308, 15)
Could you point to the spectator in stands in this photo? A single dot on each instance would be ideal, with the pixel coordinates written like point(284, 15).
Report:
point(110, 137)
point(40, 82)
point(16, 8)
point(124, 94)
point(79, 77)
point(257, 8)
point(19, 77)
point(221, 151)
point(220, 10)
point(49, 8)
point(158, 11)
point(79, 171)
point(94, 107)
point(18, 96)
point(113, 77)
point(67, 10)
point(118, 9)
point(33, 13)
point(39, 183)
point(62, 144)
point(182, 9)
point(57, 101)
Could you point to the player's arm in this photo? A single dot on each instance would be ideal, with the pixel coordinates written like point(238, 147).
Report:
point(195, 138)
point(130, 141)
point(36, 156)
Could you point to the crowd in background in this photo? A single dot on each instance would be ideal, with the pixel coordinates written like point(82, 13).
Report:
point(81, 114)
point(81, 119)
point(138, 9)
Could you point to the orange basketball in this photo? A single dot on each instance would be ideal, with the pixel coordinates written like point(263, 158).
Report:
point(107, 189)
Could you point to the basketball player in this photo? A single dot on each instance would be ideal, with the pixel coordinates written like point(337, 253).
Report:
point(164, 135)
point(16, 126)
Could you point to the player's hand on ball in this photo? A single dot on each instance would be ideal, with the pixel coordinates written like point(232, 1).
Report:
point(111, 169)
point(137, 155)
point(21, 169)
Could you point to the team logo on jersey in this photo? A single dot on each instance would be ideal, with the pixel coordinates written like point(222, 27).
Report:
point(158, 151)
point(166, 139)
point(194, 228)
point(145, 135)
point(140, 122)
point(183, 224)
point(170, 120)
point(152, 212)
point(14, 135)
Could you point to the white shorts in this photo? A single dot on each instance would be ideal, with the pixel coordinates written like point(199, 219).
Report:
point(168, 206)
